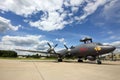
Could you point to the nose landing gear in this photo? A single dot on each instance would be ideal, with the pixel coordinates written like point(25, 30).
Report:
point(99, 61)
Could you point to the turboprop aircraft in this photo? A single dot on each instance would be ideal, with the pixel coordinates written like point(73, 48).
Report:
point(89, 50)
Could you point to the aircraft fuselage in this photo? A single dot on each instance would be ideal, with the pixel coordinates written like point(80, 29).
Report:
point(90, 49)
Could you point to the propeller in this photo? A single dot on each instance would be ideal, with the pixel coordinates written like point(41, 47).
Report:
point(51, 49)
point(68, 50)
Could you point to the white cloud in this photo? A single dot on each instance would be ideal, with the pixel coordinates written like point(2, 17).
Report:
point(54, 14)
point(91, 7)
point(5, 25)
point(74, 9)
point(76, 2)
point(111, 11)
point(32, 42)
point(61, 40)
point(113, 37)
point(116, 43)
point(53, 22)
point(27, 40)
point(25, 7)
point(20, 7)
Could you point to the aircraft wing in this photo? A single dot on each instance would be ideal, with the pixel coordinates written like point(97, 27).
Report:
point(49, 51)
point(32, 51)
point(35, 51)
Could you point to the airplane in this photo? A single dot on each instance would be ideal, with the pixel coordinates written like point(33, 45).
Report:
point(89, 50)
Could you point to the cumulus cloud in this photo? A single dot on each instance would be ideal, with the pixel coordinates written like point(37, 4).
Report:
point(111, 11)
point(91, 7)
point(25, 7)
point(33, 42)
point(61, 40)
point(112, 36)
point(5, 25)
point(115, 43)
point(27, 40)
point(76, 2)
point(74, 9)
point(55, 16)
point(53, 22)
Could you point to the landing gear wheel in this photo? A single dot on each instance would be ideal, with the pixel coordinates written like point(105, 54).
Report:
point(79, 60)
point(59, 60)
point(99, 62)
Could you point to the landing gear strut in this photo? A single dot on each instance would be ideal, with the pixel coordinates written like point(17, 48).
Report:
point(98, 61)
point(79, 60)
point(59, 60)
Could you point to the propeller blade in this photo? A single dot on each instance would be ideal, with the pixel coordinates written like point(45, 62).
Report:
point(68, 50)
point(65, 46)
point(56, 45)
point(72, 47)
point(49, 45)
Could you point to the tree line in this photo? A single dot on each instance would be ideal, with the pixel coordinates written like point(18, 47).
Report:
point(8, 53)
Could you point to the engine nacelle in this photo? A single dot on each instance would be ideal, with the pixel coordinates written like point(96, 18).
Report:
point(91, 58)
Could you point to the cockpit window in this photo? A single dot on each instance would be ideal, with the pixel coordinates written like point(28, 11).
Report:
point(99, 43)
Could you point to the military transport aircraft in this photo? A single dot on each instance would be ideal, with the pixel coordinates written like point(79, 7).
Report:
point(89, 50)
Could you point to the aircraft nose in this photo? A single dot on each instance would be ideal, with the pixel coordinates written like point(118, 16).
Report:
point(108, 48)
point(111, 48)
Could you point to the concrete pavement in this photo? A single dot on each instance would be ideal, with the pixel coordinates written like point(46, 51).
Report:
point(52, 70)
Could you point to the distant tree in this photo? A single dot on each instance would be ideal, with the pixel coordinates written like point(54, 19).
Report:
point(36, 56)
point(7, 53)
point(28, 56)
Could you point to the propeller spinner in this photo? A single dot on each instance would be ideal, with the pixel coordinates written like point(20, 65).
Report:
point(51, 49)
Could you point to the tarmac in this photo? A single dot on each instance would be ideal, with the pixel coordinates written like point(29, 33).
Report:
point(52, 70)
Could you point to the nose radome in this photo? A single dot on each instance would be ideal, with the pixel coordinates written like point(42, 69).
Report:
point(113, 48)
point(108, 48)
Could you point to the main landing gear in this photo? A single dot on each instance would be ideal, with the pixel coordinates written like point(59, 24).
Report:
point(98, 60)
point(79, 60)
point(60, 60)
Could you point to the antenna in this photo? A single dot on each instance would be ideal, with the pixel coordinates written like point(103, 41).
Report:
point(86, 40)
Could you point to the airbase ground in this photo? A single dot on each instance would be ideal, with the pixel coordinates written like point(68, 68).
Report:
point(53, 70)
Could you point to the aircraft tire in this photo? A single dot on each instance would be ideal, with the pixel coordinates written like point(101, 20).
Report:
point(99, 62)
point(79, 60)
point(59, 60)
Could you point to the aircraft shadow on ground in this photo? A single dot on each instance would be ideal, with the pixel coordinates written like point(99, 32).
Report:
point(55, 61)
point(40, 61)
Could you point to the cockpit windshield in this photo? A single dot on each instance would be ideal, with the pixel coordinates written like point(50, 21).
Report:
point(99, 44)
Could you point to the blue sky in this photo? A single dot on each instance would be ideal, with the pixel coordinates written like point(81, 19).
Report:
point(30, 24)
